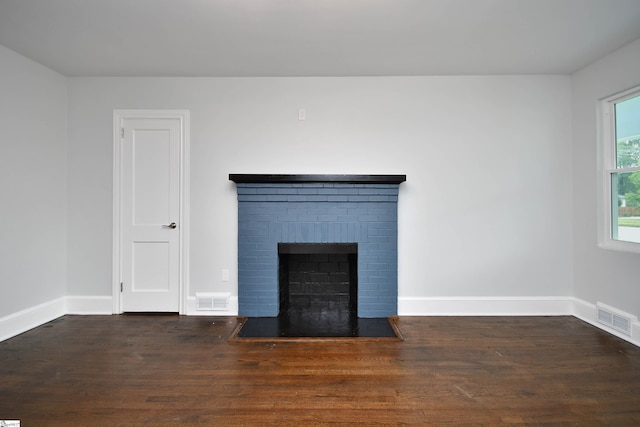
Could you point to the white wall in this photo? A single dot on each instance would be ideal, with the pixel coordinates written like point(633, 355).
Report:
point(33, 111)
point(599, 275)
point(485, 211)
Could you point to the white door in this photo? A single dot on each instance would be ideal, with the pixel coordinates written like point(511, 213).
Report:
point(150, 214)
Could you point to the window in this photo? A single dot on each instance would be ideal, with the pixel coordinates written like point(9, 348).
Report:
point(621, 161)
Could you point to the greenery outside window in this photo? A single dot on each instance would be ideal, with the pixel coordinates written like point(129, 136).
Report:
point(621, 143)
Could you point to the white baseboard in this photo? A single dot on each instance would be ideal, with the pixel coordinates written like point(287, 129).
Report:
point(89, 304)
point(21, 321)
point(587, 312)
point(484, 306)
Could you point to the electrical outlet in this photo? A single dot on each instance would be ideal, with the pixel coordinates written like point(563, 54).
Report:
point(225, 275)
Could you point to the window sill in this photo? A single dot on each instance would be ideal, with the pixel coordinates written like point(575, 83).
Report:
point(620, 246)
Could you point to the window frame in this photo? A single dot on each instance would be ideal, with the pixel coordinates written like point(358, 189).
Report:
point(609, 170)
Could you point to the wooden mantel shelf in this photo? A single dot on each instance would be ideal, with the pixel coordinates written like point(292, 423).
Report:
point(346, 179)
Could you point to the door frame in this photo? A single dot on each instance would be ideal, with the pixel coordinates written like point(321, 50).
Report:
point(118, 117)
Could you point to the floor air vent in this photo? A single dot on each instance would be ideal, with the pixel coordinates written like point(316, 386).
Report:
point(615, 319)
point(212, 301)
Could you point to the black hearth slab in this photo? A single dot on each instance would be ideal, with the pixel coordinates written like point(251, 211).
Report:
point(345, 179)
point(282, 327)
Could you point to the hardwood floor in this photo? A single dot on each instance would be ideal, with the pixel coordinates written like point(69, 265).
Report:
point(170, 370)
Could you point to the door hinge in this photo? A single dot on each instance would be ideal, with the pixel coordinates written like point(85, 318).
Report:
point(122, 133)
point(121, 287)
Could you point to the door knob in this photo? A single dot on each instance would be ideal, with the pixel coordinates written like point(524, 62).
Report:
point(172, 225)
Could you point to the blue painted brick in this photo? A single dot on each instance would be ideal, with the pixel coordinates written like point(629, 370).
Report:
point(307, 190)
point(377, 191)
point(337, 198)
point(276, 197)
point(357, 209)
point(380, 239)
point(375, 230)
point(317, 198)
point(296, 198)
point(287, 190)
point(327, 191)
point(266, 190)
point(336, 209)
point(383, 198)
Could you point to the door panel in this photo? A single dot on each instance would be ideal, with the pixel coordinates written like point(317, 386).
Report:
point(150, 203)
point(152, 176)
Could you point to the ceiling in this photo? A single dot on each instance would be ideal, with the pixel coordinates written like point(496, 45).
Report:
point(316, 37)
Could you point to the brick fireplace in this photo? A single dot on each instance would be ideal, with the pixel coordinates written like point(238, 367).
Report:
point(318, 212)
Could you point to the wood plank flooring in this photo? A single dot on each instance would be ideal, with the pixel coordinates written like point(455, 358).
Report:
point(170, 370)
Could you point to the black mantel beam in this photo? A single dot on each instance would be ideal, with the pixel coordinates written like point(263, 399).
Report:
point(346, 179)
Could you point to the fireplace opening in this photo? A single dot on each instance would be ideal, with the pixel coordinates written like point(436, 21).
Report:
point(318, 284)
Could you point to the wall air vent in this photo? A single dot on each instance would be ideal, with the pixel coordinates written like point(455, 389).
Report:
point(615, 319)
point(209, 301)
